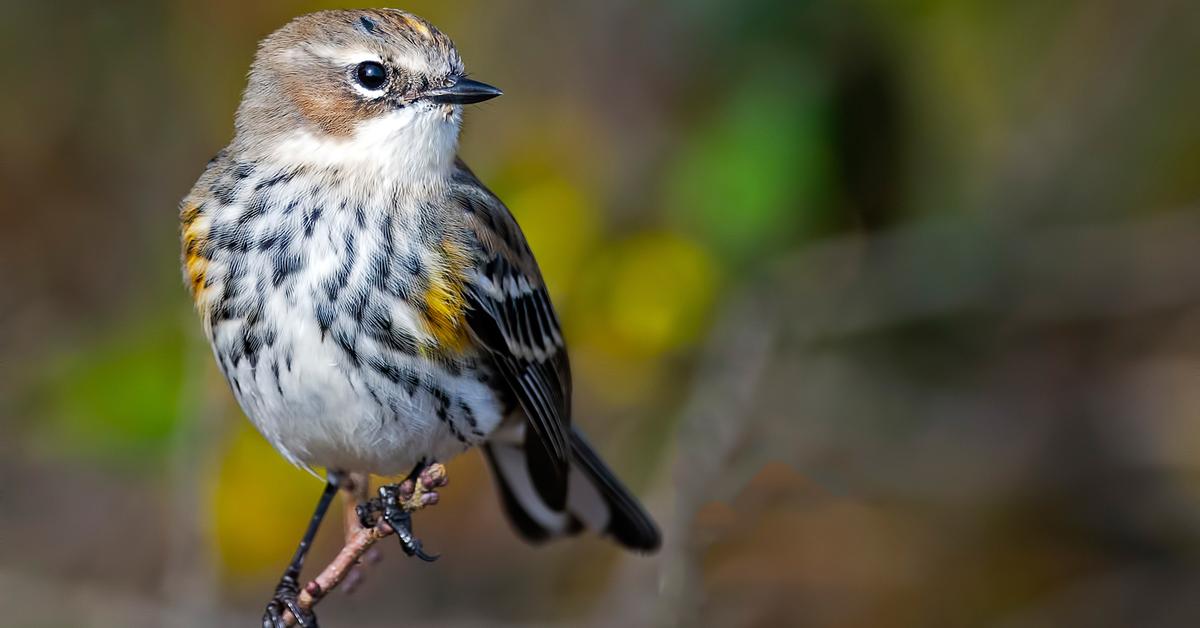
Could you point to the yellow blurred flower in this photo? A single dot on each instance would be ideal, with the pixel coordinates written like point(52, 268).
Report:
point(638, 302)
point(259, 506)
point(662, 287)
point(561, 224)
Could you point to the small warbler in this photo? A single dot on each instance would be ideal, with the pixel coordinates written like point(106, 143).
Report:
point(373, 306)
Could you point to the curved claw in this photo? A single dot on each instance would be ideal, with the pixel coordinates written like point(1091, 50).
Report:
point(411, 544)
point(416, 550)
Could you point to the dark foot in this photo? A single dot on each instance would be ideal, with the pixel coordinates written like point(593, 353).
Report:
point(397, 501)
point(285, 600)
point(401, 521)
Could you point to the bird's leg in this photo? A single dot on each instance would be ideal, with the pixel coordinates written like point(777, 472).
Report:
point(356, 487)
point(396, 502)
point(289, 584)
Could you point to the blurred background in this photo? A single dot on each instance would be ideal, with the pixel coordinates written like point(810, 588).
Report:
point(890, 311)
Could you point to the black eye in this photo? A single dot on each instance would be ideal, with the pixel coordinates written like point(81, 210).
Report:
point(371, 74)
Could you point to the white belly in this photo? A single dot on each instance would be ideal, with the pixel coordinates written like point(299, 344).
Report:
point(317, 408)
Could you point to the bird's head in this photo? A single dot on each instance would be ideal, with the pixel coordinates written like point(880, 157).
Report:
point(343, 86)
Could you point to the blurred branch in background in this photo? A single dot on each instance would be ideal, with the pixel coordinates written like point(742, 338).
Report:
point(931, 380)
point(714, 424)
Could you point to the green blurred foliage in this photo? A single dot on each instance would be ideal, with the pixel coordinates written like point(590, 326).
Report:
point(752, 180)
point(116, 400)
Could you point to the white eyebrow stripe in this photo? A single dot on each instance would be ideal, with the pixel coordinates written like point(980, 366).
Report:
point(343, 56)
point(411, 61)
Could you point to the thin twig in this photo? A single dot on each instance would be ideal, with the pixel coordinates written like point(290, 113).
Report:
point(360, 539)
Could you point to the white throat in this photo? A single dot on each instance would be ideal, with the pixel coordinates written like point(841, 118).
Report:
point(414, 144)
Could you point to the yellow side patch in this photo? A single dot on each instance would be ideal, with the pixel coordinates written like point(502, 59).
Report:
point(195, 233)
point(445, 302)
point(197, 268)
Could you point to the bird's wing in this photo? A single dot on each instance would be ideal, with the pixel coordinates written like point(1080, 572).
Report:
point(510, 314)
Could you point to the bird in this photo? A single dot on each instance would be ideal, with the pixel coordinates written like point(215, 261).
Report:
point(372, 304)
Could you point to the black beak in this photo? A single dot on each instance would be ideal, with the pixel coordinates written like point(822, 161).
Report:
point(463, 92)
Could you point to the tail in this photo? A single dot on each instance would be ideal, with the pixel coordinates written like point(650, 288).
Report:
point(596, 499)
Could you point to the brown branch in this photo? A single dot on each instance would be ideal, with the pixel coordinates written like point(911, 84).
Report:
point(414, 496)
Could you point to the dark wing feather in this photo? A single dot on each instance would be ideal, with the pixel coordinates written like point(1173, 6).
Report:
point(511, 316)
